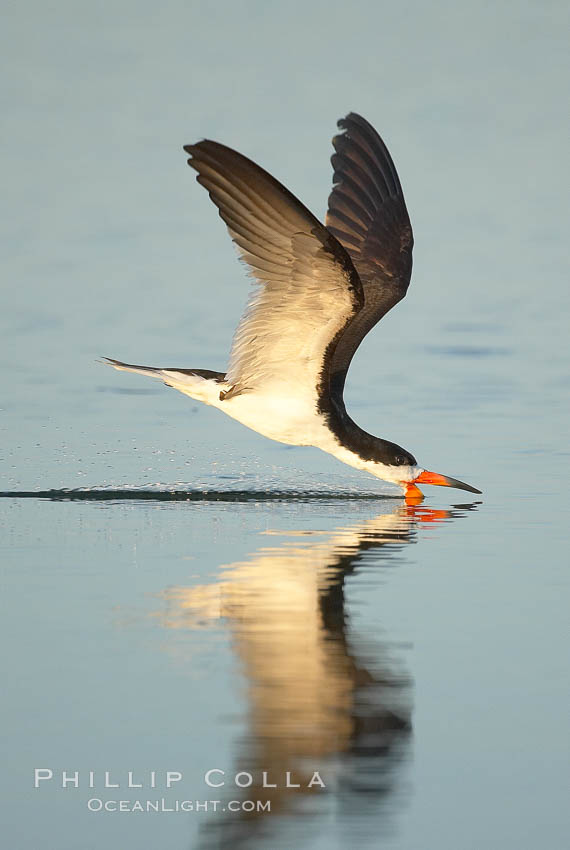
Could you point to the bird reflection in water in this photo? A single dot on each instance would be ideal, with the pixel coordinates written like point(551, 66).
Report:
point(320, 697)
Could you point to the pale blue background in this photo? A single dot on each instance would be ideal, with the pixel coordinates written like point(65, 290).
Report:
point(110, 248)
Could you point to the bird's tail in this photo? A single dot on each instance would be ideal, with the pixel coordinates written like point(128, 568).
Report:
point(201, 384)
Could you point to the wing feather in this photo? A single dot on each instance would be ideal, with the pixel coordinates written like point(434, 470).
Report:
point(367, 214)
point(307, 287)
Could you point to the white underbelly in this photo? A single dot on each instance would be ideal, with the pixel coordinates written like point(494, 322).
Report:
point(291, 420)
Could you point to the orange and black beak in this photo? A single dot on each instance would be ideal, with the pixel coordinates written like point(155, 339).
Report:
point(414, 494)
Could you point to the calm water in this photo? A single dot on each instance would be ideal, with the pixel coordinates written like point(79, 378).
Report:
point(210, 600)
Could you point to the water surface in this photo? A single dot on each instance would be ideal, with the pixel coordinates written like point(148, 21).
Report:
point(182, 595)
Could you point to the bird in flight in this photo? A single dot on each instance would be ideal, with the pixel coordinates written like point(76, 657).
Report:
point(318, 290)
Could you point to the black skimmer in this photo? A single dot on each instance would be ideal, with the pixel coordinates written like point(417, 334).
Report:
point(320, 289)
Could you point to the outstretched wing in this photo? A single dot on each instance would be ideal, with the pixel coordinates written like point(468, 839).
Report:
point(307, 288)
point(368, 215)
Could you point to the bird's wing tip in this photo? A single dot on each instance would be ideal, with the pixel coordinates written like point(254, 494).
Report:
point(352, 118)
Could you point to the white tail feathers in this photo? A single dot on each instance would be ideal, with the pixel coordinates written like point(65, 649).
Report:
point(202, 385)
